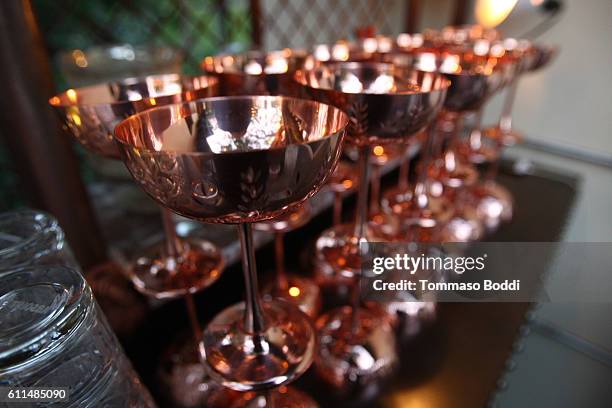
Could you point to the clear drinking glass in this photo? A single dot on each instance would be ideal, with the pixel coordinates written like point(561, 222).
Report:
point(53, 334)
point(29, 237)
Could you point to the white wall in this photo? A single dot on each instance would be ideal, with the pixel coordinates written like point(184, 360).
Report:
point(570, 101)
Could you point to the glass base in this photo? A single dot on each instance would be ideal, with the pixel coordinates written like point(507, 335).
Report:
point(494, 203)
point(506, 138)
point(403, 204)
point(418, 222)
point(383, 227)
point(410, 316)
point(337, 255)
point(464, 226)
point(416, 229)
point(485, 153)
point(300, 291)
point(161, 277)
point(464, 175)
point(249, 362)
point(355, 360)
point(281, 397)
point(184, 380)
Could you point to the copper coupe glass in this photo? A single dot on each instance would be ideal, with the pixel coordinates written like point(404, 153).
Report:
point(178, 267)
point(240, 160)
point(530, 57)
point(492, 201)
point(256, 72)
point(495, 202)
point(385, 107)
point(270, 73)
point(473, 81)
point(90, 114)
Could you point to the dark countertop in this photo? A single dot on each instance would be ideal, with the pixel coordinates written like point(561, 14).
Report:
point(455, 362)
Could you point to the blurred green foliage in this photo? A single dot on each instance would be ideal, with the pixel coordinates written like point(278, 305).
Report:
point(197, 27)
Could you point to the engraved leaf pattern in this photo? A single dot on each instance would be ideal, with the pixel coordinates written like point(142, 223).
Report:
point(358, 112)
point(156, 174)
point(84, 124)
point(251, 189)
point(402, 119)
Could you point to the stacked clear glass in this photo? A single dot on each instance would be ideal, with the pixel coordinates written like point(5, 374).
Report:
point(53, 334)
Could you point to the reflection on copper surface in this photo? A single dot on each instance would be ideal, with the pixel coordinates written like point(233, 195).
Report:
point(386, 103)
point(256, 72)
point(472, 79)
point(91, 113)
point(233, 159)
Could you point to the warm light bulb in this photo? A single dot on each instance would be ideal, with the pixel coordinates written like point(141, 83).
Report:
point(370, 44)
point(294, 291)
point(253, 68)
point(491, 13)
point(72, 95)
point(347, 184)
point(340, 52)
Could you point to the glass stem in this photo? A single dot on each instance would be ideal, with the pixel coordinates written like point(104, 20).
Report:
point(450, 158)
point(429, 154)
point(360, 225)
point(404, 170)
point(337, 208)
point(361, 216)
point(375, 191)
point(253, 315)
point(173, 248)
point(355, 303)
point(475, 139)
point(194, 322)
point(437, 144)
point(172, 243)
point(505, 119)
point(505, 126)
point(431, 144)
point(279, 253)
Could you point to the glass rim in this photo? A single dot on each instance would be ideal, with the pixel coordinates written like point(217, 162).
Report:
point(121, 130)
point(441, 83)
point(40, 220)
point(59, 100)
point(71, 300)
